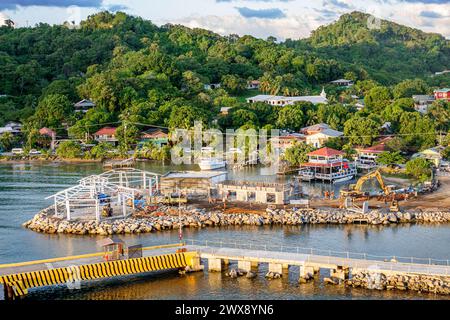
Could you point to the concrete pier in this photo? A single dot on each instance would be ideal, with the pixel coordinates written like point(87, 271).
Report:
point(214, 265)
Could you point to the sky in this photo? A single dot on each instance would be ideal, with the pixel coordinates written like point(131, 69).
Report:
point(261, 18)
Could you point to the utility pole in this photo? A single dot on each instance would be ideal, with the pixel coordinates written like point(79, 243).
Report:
point(125, 135)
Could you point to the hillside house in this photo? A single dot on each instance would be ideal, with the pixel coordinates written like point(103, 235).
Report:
point(106, 134)
point(284, 101)
point(84, 105)
point(367, 157)
point(423, 102)
point(158, 137)
point(343, 83)
point(212, 86)
point(442, 94)
point(286, 141)
point(433, 154)
point(14, 128)
point(318, 139)
point(253, 85)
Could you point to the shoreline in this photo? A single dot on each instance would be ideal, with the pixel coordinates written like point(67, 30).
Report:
point(45, 222)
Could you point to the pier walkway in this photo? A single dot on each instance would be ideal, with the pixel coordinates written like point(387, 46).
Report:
point(17, 278)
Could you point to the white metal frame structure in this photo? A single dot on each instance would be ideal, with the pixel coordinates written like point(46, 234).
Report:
point(119, 186)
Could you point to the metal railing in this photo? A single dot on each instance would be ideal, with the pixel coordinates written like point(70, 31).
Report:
point(320, 252)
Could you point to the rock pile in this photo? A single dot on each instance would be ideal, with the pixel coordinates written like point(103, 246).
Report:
point(192, 217)
point(379, 281)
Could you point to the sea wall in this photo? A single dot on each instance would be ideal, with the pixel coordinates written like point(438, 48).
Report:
point(191, 217)
point(371, 279)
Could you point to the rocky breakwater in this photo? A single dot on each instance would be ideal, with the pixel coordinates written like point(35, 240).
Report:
point(371, 279)
point(193, 217)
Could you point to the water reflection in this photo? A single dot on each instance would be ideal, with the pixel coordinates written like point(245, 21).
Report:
point(23, 189)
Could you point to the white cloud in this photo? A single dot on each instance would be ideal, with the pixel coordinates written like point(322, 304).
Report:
point(3, 17)
point(291, 26)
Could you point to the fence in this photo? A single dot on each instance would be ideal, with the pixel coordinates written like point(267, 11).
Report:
point(318, 252)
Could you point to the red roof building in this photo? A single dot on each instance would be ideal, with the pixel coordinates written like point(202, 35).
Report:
point(442, 94)
point(326, 152)
point(47, 132)
point(367, 157)
point(106, 134)
point(327, 164)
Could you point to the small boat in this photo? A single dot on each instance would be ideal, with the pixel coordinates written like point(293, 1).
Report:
point(208, 162)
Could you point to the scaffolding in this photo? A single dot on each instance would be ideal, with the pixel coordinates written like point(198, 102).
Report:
point(111, 192)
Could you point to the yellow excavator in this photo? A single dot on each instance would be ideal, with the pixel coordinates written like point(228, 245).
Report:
point(355, 190)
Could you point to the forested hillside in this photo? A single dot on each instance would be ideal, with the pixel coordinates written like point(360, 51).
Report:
point(136, 71)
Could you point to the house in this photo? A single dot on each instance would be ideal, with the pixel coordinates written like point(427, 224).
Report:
point(14, 128)
point(442, 94)
point(327, 164)
point(342, 83)
point(318, 139)
point(47, 132)
point(212, 86)
point(423, 102)
point(84, 105)
point(158, 136)
point(286, 141)
point(225, 110)
point(106, 134)
point(359, 105)
point(433, 154)
point(284, 101)
point(253, 85)
point(367, 157)
point(314, 128)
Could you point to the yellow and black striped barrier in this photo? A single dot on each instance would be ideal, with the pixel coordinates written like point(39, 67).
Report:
point(21, 282)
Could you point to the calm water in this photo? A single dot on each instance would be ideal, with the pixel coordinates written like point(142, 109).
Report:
point(24, 187)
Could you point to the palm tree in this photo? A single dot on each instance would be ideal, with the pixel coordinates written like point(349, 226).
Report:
point(6, 140)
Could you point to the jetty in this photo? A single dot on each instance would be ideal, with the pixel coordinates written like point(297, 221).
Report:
point(116, 164)
point(353, 269)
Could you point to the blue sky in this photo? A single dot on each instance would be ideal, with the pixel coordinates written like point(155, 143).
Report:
point(261, 18)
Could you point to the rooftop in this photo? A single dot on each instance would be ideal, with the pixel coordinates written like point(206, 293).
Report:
point(326, 152)
point(85, 103)
point(329, 132)
point(193, 174)
point(316, 127)
point(106, 131)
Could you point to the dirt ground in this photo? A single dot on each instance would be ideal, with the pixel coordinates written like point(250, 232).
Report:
point(439, 199)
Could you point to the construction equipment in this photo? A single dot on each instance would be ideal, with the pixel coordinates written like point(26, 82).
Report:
point(355, 190)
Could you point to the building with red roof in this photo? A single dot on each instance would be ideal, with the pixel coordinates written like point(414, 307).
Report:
point(47, 132)
point(327, 164)
point(367, 157)
point(106, 134)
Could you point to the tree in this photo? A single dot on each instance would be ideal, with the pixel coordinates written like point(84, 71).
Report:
point(419, 168)
point(242, 117)
point(446, 153)
point(290, 117)
point(127, 135)
point(361, 131)
point(298, 153)
point(390, 158)
point(233, 83)
point(7, 141)
point(101, 150)
point(408, 88)
point(52, 112)
point(377, 98)
point(69, 150)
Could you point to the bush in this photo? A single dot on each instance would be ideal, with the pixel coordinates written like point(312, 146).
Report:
point(419, 168)
point(69, 150)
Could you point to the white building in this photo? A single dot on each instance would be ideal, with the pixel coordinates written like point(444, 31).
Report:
point(11, 127)
point(423, 102)
point(84, 105)
point(212, 86)
point(283, 101)
point(318, 139)
point(342, 83)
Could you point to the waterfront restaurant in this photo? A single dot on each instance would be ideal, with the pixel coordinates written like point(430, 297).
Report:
point(329, 165)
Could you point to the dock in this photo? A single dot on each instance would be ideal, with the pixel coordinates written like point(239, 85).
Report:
point(17, 278)
point(117, 164)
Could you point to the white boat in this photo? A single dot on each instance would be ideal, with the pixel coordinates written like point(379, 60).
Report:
point(211, 164)
point(208, 162)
